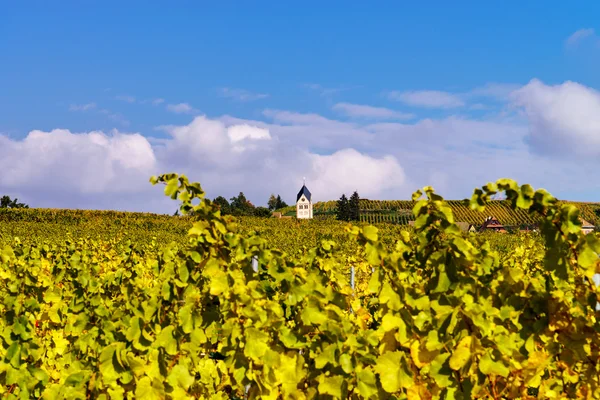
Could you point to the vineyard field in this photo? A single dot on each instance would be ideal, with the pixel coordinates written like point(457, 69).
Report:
point(120, 306)
point(400, 211)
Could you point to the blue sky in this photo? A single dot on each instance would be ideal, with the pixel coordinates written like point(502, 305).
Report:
point(299, 72)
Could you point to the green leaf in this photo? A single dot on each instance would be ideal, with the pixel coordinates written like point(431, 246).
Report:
point(13, 354)
point(367, 383)
point(346, 363)
point(107, 369)
point(256, 343)
point(180, 376)
point(135, 329)
point(183, 273)
point(171, 188)
point(166, 340)
point(149, 389)
point(440, 370)
point(331, 385)
point(186, 318)
point(393, 371)
point(326, 356)
point(488, 366)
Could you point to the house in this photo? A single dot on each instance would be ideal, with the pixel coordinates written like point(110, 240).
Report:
point(492, 224)
point(466, 227)
point(586, 227)
point(304, 206)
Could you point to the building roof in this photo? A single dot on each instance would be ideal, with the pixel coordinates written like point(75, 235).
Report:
point(304, 191)
point(491, 223)
point(463, 226)
point(586, 224)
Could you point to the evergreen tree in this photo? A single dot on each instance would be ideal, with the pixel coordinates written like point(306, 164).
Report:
point(272, 203)
point(342, 208)
point(280, 203)
point(354, 207)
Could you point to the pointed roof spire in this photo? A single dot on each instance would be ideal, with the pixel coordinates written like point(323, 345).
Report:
point(303, 191)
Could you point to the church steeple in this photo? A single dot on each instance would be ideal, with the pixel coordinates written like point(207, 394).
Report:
point(304, 208)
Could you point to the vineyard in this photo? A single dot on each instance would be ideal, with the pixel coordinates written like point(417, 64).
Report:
point(213, 307)
point(400, 211)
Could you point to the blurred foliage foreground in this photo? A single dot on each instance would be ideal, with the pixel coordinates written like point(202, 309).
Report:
point(434, 314)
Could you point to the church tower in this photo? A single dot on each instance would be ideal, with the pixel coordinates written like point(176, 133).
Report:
point(304, 207)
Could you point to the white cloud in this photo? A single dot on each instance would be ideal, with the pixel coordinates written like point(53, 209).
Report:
point(99, 170)
point(364, 111)
point(238, 133)
point(158, 101)
point(126, 98)
point(241, 94)
point(446, 100)
point(82, 107)
point(564, 120)
point(51, 167)
point(428, 98)
point(181, 108)
point(348, 170)
point(580, 35)
point(382, 160)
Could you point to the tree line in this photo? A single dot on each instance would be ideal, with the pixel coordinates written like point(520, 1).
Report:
point(241, 206)
point(348, 209)
point(7, 202)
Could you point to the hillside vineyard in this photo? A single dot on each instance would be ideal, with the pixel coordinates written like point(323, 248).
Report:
point(172, 308)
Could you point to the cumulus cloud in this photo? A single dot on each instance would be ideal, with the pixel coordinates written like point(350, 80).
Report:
point(364, 111)
point(111, 170)
point(428, 98)
point(564, 119)
point(381, 159)
point(181, 108)
point(579, 36)
point(238, 133)
point(241, 94)
point(51, 167)
point(348, 170)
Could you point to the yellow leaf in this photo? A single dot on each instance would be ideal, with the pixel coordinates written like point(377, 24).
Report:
point(421, 357)
point(461, 354)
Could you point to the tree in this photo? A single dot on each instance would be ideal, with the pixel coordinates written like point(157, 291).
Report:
point(280, 203)
point(262, 212)
point(240, 205)
point(272, 203)
point(223, 205)
point(342, 208)
point(7, 202)
point(354, 207)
